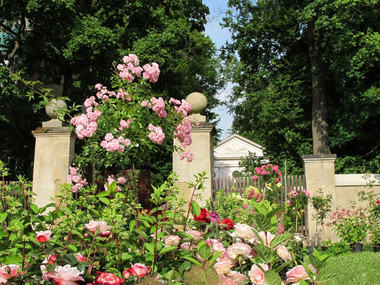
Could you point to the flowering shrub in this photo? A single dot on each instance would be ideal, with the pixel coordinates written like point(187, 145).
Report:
point(350, 225)
point(298, 200)
point(123, 127)
point(271, 176)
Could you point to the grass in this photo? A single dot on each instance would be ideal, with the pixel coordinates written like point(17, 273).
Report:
point(355, 268)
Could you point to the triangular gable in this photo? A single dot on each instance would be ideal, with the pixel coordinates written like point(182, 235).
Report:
point(236, 147)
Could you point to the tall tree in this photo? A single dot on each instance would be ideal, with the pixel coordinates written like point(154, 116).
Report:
point(307, 61)
point(74, 42)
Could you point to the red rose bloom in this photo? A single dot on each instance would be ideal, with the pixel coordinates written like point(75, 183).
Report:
point(227, 224)
point(378, 202)
point(106, 278)
point(204, 216)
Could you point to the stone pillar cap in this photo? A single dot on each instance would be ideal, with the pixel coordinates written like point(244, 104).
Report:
point(198, 102)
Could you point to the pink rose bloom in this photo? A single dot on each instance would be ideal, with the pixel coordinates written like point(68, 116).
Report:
point(267, 237)
point(7, 272)
point(195, 234)
point(121, 180)
point(284, 253)
point(239, 249)
point(139, 270)
point(256, 275)
point(223, 280)
point(43, 236)
point(66, 275)
point(108, 137)
point(102, 225)
point(172, 240)
point(80, 257)
point(298, 273)
point(106, 278)
point(255, 177)
point(237, 277)
point(215, 245)
point(244, 231)
point(187, 246)
point(223, 267)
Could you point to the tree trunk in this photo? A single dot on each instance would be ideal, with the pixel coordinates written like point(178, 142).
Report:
point(319, 92)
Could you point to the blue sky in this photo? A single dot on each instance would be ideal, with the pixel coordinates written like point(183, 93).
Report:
point(219, 36)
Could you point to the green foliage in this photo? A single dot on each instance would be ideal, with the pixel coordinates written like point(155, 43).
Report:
point(272, 99)
point(74, 43)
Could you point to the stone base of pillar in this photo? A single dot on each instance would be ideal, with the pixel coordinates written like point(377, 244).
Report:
point(320, 175)
point(54, 150)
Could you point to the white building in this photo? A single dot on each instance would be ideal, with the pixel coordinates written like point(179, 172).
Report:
point(230, 151)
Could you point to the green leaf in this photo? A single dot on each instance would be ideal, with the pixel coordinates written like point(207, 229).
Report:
point(272, 278)
point(323, 278)
point(72, 247)
point(280, 239)
point(149, 247)
point(34, 208)
point(195, 208)
point(3, 216)
point(215, 256)
point(192, 260)
point(205, 251)
point(103, 194)
point(167, 249)
point(132, 226)
point(13, 259)
point(104, 200)
point(68, 211)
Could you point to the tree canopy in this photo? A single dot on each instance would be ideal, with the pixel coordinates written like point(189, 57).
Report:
point(308, 75)
point(75, 42)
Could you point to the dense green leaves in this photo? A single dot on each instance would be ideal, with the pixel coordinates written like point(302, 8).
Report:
point(272, 101)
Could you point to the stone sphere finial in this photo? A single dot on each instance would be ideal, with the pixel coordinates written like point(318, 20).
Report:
point(53, 106)
point(198, 102)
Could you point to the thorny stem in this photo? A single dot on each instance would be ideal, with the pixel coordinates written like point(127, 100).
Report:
point(155, 243)
point(190, 202)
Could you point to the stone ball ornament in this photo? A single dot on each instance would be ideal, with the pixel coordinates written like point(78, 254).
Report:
point(198, 102)
point(53, 106)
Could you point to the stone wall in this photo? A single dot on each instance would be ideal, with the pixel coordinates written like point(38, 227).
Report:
point(344, 188)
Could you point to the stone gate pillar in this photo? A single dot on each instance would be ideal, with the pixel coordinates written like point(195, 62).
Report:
point(201, 147)
point(53, 154)
point(320, 174)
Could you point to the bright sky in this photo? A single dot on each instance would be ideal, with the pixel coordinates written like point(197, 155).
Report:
point(219, 36)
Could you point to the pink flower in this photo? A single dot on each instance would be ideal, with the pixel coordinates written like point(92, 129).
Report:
point(183, 133)
point(106, 278)
point(80, 257)
point(151, 72)
point(188, 155)
point(215, 245)
point(195, 234)
point(237, 277)
point(223, 267)
point(223, 280)
point(138, 270)
point(92, 226)
point(8, 271)
point(156, 135)
point(239, 249)
point(255, 177)
point(172, 240)
point(298, 274)
point(267, 237)
point(121, 180)
point(187, 246)
point(43, 236)
point(244, 231)
point(256, 275)
point(284, 253)
point(66, 275)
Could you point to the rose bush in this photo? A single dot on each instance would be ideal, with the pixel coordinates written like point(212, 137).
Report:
point(98, 233)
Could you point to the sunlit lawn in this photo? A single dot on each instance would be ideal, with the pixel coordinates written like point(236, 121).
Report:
point(355, 268)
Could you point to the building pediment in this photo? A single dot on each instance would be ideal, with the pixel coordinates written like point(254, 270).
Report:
point(236, 147)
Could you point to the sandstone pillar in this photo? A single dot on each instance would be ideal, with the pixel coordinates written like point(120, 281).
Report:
point(201, 147)
point(54, 150)
point(320, 174)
